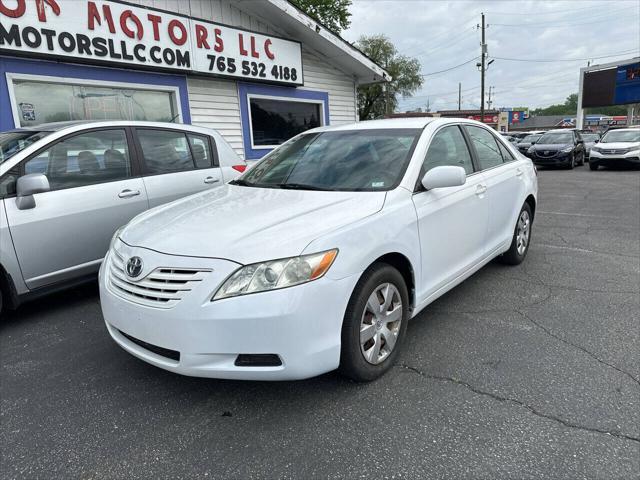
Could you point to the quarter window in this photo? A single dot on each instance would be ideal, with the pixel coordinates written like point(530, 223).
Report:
point(165, 151)
point(486, 147)
point(506, 154)
point(85, 159)
point(448, 147)
point(200, 149)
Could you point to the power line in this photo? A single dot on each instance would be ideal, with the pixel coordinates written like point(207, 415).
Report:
point(449, 69)
point(608, 18)
point(549, 12)
point(548, 60)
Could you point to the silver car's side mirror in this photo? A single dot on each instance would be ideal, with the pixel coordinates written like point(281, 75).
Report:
point(444, 176)
point(27, 186)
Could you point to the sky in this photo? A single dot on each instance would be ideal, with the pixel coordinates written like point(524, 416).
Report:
point(444, 34)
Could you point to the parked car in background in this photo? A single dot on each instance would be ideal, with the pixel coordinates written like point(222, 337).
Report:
point(617, 147)
point(318, 256)
point(561, 148)
point(525, 143)
point(590, 139)
point(66, 187)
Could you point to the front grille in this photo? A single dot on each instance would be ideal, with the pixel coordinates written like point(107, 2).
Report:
point(163, 352)
point(162, 288)
point(614, 151)
point(546, 153)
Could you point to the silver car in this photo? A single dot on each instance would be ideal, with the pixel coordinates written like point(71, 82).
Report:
point(65, 188)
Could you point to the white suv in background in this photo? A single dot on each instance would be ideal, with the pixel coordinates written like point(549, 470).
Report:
point(66, 187)
point(617, 147)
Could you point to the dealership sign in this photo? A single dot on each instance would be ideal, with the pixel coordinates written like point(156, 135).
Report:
point(120, 33)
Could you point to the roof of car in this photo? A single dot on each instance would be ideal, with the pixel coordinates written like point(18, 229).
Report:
point(58, 126)
point(391, 123)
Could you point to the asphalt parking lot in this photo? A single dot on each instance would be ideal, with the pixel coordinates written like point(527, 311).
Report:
point(520, 372)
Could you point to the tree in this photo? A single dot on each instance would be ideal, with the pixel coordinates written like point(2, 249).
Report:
point(373, 100)
point(333, 14)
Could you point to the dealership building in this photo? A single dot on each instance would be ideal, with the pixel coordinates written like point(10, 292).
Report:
point(256, 71)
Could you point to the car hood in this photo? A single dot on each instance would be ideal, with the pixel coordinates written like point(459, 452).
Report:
point(247, 224)
point(618, 145)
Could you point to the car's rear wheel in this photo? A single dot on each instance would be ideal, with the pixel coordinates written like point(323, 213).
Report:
point(521, 238)
point(582, 159)
point(593, 165)
point(572, 162)
point(374, 324)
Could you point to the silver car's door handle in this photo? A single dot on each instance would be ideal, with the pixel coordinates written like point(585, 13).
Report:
point(519, 172)
point(210, 180)
point(481, 189)
point(129, 193)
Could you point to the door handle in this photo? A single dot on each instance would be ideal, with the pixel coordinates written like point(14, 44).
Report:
point(519, 172)
point(481, 189)
point(210, 180)
point(129, 193)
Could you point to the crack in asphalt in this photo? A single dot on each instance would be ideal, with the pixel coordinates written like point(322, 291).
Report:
point(567, 342)
point(520, 403)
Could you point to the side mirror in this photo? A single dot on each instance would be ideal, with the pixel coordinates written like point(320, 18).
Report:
point(597, 140)
point(533, 142)
point(27, 186)
point(443, 177)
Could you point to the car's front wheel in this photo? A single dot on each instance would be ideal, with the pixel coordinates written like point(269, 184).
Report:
point(593, 165)
point(521, 238)
point(572, 162)
point(374, 324)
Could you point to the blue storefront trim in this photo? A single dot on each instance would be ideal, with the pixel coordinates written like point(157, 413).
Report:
point(245, 89)
point(57, 69)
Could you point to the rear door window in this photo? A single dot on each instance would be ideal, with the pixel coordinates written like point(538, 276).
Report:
point(200, 150)
point(165, 151)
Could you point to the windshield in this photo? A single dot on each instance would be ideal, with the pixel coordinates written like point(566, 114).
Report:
point(590, 137)
point(360, 160)
point(530, 138)
point(621, 136)
point(555, 139)
point(16, 141)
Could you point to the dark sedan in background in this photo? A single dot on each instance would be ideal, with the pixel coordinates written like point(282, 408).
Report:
point(525, 143)
point(561, 148)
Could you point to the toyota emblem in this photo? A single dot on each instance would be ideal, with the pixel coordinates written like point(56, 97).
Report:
point(134, 267)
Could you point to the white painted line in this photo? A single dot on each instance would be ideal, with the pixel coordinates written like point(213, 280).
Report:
point(574, 214)
point(567, 248)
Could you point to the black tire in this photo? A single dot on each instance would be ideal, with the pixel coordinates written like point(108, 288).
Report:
point(513, 256)
point(582, 159)
point(593, 165)
point(1, 303)
point(352, 358)
point(571, 163)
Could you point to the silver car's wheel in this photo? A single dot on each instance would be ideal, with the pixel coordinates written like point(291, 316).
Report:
point(522, 234)
point(380, 323)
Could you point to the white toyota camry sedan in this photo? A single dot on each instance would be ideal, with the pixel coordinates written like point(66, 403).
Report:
point(317, 257)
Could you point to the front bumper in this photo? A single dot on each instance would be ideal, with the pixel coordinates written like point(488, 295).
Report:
point(301, 325)
point(630, 158)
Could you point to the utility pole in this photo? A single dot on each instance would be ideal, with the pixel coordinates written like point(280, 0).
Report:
point(483, 54)
point(489, 102)
point(459, 95)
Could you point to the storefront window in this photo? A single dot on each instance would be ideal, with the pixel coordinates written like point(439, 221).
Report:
point(273, 122)
point(43, 102)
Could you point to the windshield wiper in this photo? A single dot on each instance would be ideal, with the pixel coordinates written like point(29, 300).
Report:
point(300, 186)
point(241, 182)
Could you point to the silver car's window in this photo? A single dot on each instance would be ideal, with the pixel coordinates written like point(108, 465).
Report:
point(88, 158)
point(448, 147)
point(486, 147)
point(506, 154)
point(165, 151)
point(201, 152)
point(350, 160)
point(16, 141)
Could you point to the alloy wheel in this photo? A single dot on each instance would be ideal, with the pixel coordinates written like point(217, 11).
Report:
point(524, 229)
point(380, 323)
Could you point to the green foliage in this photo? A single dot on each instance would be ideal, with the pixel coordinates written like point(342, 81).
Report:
point(333, 14)
point(570, 107)
point(373, 101)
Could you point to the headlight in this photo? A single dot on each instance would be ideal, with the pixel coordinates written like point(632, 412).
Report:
point(567, 150)
point(115, 237)
point(595, 149)
point(275, 274)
